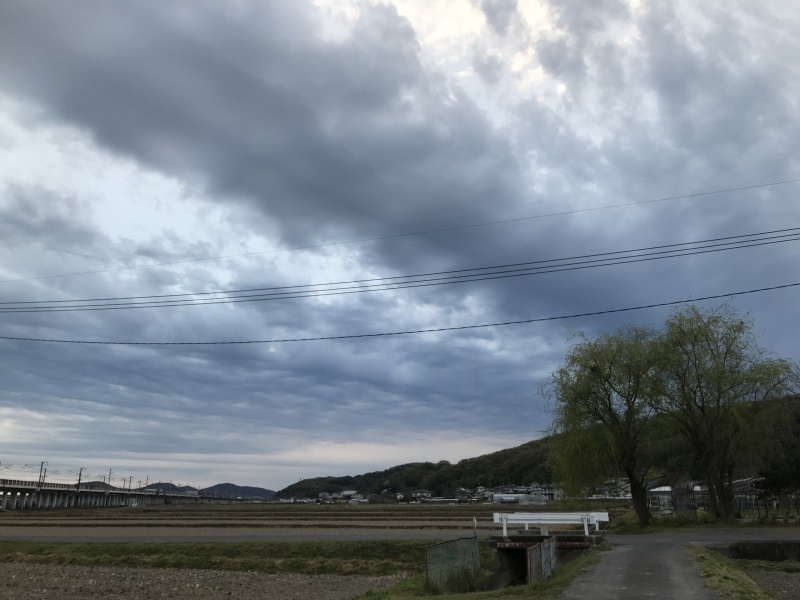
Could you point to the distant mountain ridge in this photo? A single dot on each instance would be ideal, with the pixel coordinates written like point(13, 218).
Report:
point(246, 492)
point(220, 490)
point(520, 465)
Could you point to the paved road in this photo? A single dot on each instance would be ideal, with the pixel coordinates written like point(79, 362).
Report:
point(658, 566)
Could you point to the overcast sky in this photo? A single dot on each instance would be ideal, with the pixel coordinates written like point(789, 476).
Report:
point(189, 147)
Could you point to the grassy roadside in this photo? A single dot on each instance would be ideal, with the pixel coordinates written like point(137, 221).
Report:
point(628, 523)
point(726, 577)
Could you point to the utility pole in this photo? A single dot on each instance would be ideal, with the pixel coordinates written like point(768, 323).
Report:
point(40, 482)
point(41, 471)
point(77, 499)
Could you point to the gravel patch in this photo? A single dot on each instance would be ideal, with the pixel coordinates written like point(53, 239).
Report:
point(22, 581)
point(777, 584)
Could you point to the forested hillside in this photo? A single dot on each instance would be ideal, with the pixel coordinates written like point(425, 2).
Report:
point(520, 465)
point(230, 490)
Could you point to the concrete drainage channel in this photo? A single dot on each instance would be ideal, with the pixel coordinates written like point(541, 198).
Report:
point(772, 551)
point(518, 559)
point(454, 566)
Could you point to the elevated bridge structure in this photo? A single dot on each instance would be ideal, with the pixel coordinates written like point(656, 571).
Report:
point(16, 494)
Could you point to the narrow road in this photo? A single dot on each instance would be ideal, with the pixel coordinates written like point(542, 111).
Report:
point(658, 566)
point(634, 569)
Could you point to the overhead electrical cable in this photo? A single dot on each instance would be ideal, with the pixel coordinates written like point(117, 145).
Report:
point(409, 234)
point(409, 281)
point(411, 331)
point(787, 232)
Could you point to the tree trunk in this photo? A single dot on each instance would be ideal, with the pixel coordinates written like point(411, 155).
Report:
point(730, 507)
point(713, 505)
point(639, 495)
point(724, 495)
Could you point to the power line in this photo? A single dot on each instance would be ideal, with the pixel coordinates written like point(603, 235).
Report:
point(408, 234)
point(414, 281)
point(787, 231)
point(413, 331)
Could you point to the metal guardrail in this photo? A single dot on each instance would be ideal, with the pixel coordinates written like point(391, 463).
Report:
point(544, 519)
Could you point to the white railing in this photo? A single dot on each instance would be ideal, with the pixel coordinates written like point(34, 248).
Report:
point(545, 519)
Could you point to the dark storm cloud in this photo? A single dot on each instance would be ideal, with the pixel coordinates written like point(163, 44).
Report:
point(567, 51)
point(314, 141)
point(488, 67)
point(312, 133)
point(582, 20)
point(50, 220)
point(729, 111)
point(561, 58)
point(499, 14)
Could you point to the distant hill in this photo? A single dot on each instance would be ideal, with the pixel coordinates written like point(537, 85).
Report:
point(167, 487)
point(521, 465)
point(221, 490)
point(94, 485)
point(230, 490)
point(164, 486)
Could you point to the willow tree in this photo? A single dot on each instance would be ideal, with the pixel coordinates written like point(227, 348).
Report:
point(603, 411)
point(716, 384)
point(780, 473)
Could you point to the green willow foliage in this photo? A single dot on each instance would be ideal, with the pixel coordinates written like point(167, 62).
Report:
point(702, 380)
point(603, 408)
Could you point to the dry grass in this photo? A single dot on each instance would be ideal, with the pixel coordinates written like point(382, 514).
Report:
point(312, 558)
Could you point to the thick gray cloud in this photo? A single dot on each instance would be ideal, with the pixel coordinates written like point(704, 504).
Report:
point(280, 135)
point(488, 67)
point(499, 14)
point(296, 128)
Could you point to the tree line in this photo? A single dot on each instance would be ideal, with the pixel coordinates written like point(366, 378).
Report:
point(520, 465)
point(697, 395)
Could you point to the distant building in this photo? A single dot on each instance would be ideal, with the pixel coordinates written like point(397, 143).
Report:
point(526, 499)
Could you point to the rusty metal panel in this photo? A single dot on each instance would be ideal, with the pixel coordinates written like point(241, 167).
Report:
point(542, 560)
point(549, 557)
point(535, 563)
point(449, 560)
point(513, 545)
